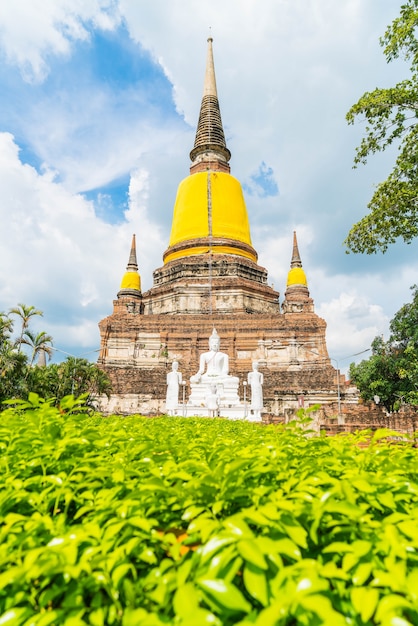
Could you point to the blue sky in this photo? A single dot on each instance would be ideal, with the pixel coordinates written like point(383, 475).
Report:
point(99, 103)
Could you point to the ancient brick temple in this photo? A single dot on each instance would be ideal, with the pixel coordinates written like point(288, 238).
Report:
point(210, 278)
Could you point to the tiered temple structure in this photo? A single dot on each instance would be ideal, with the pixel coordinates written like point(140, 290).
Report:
point(210, 279)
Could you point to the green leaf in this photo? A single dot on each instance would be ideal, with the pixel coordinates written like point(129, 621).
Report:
point(288, 548)
point(383, 433)
point(9, 576)
point(364, 601)
point(98, 617)
point(346, 509)
point(120, 572)
point(321, 606)
point(255, 516)
point(350, 560)
point(251, 553)
point(47, 618)
point(238, 526)
point(136, 617)
point(362, 573)
point(191, 512)
point(382, 579)
point(409, 529)
point(332, 571)
point(148, 556)
point(298, 534)
point(213, 546)
point(118, 476)
point(15, 616)
point(360, 547)
point(201, 617)
point(186, 601)
point(310, 583)
point(225, 595)
point(386, 498)
point(338, 547)
point(391, 606)
point(255, 581)
point(412, 584)
point(363, 485)
point(273, 615)
point(220, 563)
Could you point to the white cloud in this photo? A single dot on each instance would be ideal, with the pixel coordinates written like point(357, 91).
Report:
point(57, 255)
point(353, 321)
point(32, 31)
point(150, 240)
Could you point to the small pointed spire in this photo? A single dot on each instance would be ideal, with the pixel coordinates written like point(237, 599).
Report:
point(296, 275)
point(132, 263)
point(296, 297)
point(210, 151)
point(209, 87)
point(131, 281)
point(296, 261)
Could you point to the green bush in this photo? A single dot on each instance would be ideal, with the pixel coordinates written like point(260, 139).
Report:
point(137, 521)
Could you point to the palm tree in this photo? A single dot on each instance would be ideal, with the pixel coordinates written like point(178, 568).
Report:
point(42, 342)
point(25, 312)
point(12, 373)
point(6, 328)
point(78, 376)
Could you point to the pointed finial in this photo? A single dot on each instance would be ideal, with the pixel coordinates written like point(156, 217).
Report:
point(296, 297)
point(296, 275)
point(132, 263)
point(209, 87)
point(131, 281)
point(296, 261)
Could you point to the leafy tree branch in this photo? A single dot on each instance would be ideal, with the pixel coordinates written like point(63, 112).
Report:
point(391, 117)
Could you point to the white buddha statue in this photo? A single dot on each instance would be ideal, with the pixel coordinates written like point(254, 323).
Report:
point(174, 380)
point(213, 373)
point(213, 365)
point(256, 380)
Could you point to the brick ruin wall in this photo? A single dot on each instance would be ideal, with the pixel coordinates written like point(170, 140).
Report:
point(357, 417)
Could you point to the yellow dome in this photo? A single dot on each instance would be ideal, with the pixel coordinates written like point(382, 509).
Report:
point(296, 276)
point(131, 280)
point(209, 208)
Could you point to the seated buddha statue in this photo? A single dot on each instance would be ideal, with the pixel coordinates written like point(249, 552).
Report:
point(213, 365)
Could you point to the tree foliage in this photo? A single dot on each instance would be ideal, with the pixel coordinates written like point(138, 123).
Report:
point(24, 312)
point(391, 373)
point(391, 117)
point(19, 376)
point(197, 522)
point(74, 376)
point(12, 362)
point(379, 376)
point(404, 325)
point(38, 342)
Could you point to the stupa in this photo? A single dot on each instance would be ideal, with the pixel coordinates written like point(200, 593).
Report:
point(210, 278)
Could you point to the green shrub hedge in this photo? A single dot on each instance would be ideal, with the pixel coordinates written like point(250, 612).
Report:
point(198, 522)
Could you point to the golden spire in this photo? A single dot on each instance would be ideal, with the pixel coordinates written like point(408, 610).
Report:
point(131, 281)
point(296, 297)
point(210, 216)
point(296, 275)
